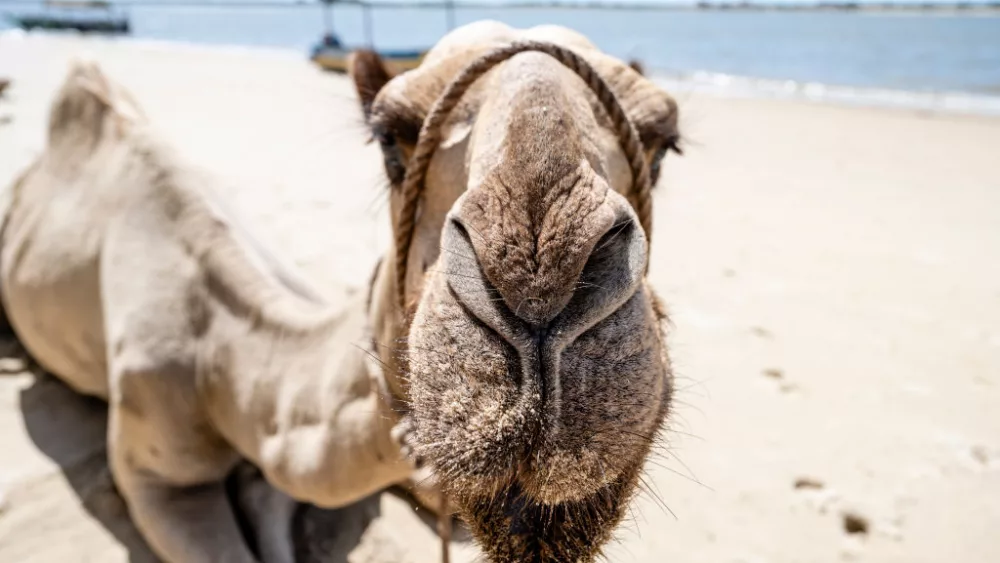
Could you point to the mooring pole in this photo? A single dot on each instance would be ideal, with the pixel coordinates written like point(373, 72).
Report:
point(450, 14)
point(366, 10)
point(327, 17)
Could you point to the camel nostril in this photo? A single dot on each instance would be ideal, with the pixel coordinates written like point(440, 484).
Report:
point(534, 274)
point(619, 230)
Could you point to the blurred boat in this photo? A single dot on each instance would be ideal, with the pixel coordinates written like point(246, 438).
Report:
point(329, 54)
point(88, 16)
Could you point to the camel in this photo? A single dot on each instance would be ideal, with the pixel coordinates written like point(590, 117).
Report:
point(535, 366)
point(125, 276)
point(509, 351)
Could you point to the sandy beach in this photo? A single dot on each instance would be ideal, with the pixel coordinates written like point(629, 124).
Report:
point(832, 275)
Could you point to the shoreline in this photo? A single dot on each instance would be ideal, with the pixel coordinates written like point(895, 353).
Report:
point(729, 86)
point(702, 82)
point(989, 7)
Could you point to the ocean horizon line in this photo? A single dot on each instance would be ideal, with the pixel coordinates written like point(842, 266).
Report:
point(703, 82)
point(630, 5)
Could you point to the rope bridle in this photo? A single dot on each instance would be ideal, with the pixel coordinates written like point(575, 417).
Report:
point(430, 137)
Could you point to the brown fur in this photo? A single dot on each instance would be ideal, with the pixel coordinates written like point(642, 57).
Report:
point(537, 369)
point(368, 71)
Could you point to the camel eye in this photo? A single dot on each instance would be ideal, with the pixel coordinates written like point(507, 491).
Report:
point(654, 165)
point(392, 156)
point(384, 139)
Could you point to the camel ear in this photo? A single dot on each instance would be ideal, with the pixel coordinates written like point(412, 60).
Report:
point(637, 66)
point(370, 75)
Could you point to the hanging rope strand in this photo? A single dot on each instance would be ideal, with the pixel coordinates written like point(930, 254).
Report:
point(430, 138)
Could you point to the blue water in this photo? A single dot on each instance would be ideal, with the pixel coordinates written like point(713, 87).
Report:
point(910, 52)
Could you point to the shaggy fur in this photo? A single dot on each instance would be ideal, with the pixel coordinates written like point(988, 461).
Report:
point(125, 277)
point(537, 369)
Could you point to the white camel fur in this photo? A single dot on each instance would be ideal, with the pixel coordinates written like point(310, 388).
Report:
point(123, 275)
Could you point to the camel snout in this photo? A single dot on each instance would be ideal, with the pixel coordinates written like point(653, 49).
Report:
point(527, 316)
point(534, 267)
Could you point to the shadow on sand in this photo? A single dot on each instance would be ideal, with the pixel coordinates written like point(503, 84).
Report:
point(70, 429)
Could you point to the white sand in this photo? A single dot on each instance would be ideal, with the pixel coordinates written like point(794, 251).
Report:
point(833, 275)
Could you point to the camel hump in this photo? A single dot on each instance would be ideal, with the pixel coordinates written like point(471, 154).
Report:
point(90, 106)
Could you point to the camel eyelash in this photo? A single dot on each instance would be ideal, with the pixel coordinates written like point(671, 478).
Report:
point(392, 156)
point(654, 166)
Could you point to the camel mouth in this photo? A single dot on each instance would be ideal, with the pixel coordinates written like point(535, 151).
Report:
point(556, 414)
point(530, 530)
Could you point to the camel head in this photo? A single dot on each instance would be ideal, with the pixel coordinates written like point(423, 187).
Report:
point(90, 106)
point(536, 368)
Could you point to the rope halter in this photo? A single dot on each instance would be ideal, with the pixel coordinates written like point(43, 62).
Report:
point(430, 137)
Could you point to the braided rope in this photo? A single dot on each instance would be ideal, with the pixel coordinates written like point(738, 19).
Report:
point(430, 137)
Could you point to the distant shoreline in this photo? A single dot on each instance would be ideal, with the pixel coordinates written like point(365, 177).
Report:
point(741, 6)
point(712, 84)
point(727, 86)
point(758, 53)
point(914, 7)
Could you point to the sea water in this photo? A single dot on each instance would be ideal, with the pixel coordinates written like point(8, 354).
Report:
point(920, 60)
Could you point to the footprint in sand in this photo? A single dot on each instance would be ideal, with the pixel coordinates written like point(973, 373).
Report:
point(778, 375)
point(808, 483)
point(816, 495)
point(855, 524)
point(855, 527)
point(985, 458)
